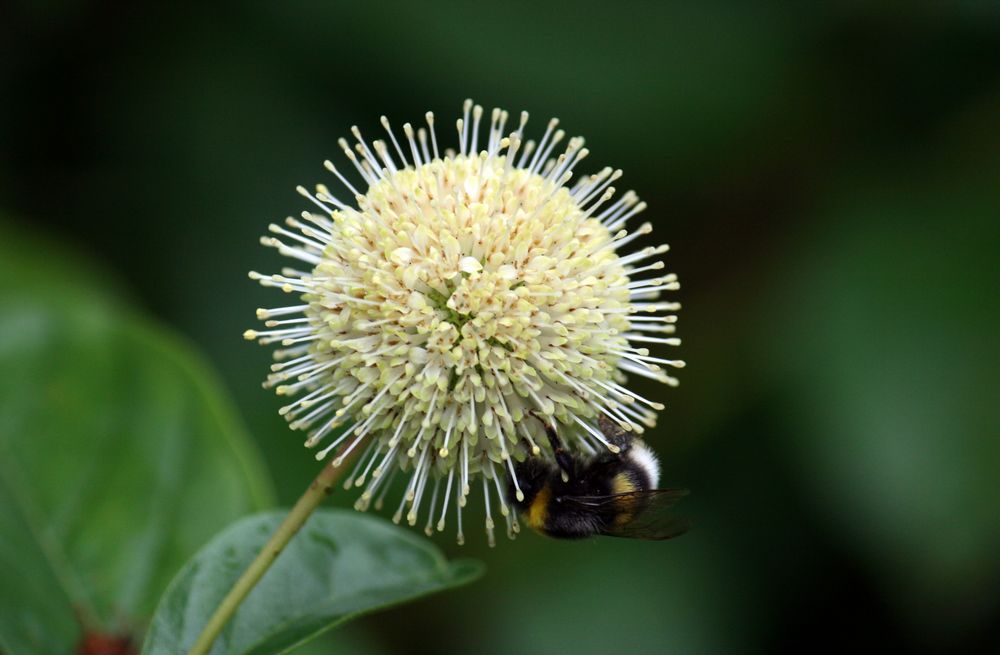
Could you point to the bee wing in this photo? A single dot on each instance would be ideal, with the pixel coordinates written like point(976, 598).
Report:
point(661, 528)
point(653, 522)
point(662, 497)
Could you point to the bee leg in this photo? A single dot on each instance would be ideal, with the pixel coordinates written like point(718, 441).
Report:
point(615, 433)
point(563, 458)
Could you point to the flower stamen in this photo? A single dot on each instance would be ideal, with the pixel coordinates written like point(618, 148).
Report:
point(462, 292)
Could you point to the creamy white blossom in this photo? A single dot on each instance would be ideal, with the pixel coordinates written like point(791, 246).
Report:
point(449, 299)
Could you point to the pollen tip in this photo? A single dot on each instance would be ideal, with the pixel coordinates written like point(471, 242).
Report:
point(250, 335)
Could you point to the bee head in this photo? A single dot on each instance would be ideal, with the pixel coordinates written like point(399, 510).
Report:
point(532, 475)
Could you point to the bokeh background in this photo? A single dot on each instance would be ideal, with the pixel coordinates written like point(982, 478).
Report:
point(828, 177)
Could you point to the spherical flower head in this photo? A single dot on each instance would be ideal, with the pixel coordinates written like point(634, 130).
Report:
point(462, 301)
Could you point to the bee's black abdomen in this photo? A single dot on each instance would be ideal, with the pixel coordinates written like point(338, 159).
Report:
point(573, 525)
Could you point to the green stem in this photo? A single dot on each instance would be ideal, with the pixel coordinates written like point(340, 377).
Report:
point(313, 496)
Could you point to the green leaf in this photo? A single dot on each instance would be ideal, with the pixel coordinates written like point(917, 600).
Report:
point(342, 564)
point(119, 455)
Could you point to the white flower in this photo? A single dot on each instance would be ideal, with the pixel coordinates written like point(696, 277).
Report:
point(457, 293)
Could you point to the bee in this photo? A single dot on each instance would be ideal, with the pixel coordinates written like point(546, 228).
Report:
point(613, 493)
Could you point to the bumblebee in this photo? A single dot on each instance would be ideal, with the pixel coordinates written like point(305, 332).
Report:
point(613, 493)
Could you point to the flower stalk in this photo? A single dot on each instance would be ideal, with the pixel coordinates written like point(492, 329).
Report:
point(319, 489)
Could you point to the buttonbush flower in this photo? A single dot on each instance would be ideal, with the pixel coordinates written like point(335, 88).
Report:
point(449, 301)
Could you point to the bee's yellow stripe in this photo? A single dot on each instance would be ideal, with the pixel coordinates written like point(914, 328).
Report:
point(538, 511)
point(622, 484)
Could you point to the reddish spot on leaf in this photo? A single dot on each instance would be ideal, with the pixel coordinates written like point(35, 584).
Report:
point(98, 644)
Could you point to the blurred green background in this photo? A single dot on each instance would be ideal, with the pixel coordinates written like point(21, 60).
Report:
point(828, 177)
